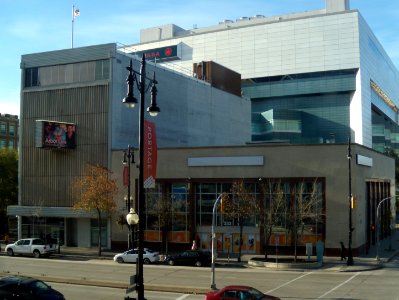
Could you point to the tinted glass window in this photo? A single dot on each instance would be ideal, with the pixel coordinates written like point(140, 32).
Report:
point(38, 286)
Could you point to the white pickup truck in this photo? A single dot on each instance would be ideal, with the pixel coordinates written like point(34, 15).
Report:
point(33, 246)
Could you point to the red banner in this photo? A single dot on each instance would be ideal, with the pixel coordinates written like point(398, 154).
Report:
point(150, 155)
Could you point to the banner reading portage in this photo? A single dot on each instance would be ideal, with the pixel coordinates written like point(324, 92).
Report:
point(150, 155)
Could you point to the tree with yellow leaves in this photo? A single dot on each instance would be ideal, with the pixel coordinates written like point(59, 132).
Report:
point(94, 192)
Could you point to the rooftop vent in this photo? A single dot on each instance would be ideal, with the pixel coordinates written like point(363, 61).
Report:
point(226, 22)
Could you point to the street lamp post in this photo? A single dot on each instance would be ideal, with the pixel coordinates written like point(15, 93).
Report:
point(214, 211)
point(349, 262)
point(153, 110)
point(128, 159)
point(378, 225)
point(132, 219)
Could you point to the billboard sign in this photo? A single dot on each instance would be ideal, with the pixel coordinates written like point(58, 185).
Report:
point(163, 53)
point(53, 134)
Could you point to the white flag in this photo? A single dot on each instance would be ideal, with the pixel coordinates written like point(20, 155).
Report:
point(76, 13)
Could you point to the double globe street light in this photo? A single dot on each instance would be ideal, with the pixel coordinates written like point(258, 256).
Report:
point(153, 110)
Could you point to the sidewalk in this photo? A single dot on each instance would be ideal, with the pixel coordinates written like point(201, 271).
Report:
point(388, 248)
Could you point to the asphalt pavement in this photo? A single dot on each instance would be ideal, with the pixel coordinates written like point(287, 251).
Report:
point(374, 259)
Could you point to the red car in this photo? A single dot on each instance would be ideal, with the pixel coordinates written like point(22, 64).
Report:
point(238, 292)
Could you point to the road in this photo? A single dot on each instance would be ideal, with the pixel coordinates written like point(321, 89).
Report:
point(101, 293)
point(313, 284)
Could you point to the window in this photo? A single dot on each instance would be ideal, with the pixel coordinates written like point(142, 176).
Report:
point(68, 73)
point(11, 130)
point(3, 143)
point(3, 128)
point(295, 205)
point(154, 206)
point(230, 294)
point(31, 76)
point(179, 199)
point(37, 242)
point(206, 195)
point(170, 209)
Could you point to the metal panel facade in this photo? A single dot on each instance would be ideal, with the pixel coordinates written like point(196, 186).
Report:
point(46, 175)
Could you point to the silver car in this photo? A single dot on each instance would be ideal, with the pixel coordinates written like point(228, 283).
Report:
point(130, 256)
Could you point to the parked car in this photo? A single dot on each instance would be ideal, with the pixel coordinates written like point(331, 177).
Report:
point(27, 288)
point(233, 292)
point(196, 258)
point(131, 256)
point(32, 246)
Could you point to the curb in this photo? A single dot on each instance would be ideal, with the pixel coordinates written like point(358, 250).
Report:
point(285, 266)
point(118, 285)
point(361, 268)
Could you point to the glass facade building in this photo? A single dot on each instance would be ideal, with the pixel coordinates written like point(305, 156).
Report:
point(312, 77)
point(302, 108)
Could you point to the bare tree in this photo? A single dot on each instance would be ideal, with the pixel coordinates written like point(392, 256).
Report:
point(306, 208)
point(95, 191)
point(162, 211)
point(241, 206)
point(273, 209)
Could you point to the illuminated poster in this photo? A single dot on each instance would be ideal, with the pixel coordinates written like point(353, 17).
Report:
point(51, 134)
point(251, 243)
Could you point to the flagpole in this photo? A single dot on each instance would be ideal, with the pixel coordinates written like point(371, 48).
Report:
point(73, 21)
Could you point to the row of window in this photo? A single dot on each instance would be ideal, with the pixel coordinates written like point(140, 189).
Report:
point(289, 204)
point(385, 132)
point(68, 73)
point(10, 131)
point(11, 144)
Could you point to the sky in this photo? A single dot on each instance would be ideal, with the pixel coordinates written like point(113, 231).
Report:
point(32, 26)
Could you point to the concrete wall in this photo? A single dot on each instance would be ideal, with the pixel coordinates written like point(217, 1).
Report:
point(192, 112)
point(328, 161)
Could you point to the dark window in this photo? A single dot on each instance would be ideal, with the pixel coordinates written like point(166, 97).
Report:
point(37, 242)
point(31, 75)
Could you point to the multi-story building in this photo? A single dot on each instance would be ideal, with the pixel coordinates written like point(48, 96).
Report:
point(9, 131)
point(82, 89)
point(314, 79)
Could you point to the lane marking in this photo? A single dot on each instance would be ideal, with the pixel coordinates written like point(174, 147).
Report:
point(183, 297)
point(338, 286)
point(271, 291)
